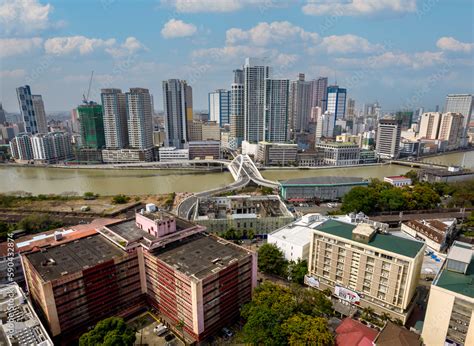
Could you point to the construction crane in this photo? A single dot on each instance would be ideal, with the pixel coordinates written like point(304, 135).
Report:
point(85, 99)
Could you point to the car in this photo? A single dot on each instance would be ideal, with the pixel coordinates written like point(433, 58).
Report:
point(169, 337)
point(227, 333)
point(160, 329)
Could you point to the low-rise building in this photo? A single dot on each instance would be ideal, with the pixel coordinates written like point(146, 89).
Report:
point(201, 150)
point(127, 155)
point(435, 233)
point(364, 266)
point(449, 318)
point(398, 180)
point(394, 335)
point(450, 175)
point(367, 156)
point(277, 154)
point(20, 324)
point(339, 154)
point(318, 188)
point(168, 154)
point(353, 333)
point(261, 214)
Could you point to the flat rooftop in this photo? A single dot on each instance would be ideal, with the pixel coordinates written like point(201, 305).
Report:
point(387, 242)
point(325, 181)
point(53, 262)
point(129, 231)
point(157, 215)
point(200, 255)
point(457, 282)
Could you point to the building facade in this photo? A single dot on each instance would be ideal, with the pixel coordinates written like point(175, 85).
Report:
point(300, 103)
point(429, 125)
point(366, 267)
point(219, 103)
point(32, 110)
point(40, 113)
point(276, 110)
point(139, 119)
point(91, 126)
point(319, 92)
point(325, 126)
point(115, 118)
point(204, 150)
point(461, 103)
point(237, 107)
point(276, 154)
point(168, 154)
point(338, 154)
point(451, 129)
point(51, 147)
point(336, 101)
point(20, 147)
point(388, 139)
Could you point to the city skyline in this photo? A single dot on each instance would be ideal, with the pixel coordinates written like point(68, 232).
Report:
point(48, 48)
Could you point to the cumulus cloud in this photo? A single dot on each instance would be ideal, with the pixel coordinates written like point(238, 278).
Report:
point(451, 44)
point(177, 28)
point(357, 7)
point(230, 52)
point(24, 16)
point(348, 44)
point(18, 46)
point(220, 6)
point(85, 45)
point(270, 33)
point(18, 73)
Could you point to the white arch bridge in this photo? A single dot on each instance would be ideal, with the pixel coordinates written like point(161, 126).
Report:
point(243, 171)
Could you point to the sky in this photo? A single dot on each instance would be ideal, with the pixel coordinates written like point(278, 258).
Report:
point(402, 53)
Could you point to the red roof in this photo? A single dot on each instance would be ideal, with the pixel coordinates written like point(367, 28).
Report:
point(353, 333)
point(393, 177)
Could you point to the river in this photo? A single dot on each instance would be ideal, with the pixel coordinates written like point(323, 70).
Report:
point(110, 182)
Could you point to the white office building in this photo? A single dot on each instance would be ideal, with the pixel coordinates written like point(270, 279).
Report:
point(461, 103)
point(115, 118)
point(388, 139)
point(139, 119)
point(276, 110)
point(325, 126)
point(219, 106)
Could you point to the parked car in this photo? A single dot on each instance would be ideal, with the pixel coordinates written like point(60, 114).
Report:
point(227, 333)
point(160, 329)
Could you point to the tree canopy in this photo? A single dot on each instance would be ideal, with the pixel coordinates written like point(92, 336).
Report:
point(112, 331)
point(271, 260)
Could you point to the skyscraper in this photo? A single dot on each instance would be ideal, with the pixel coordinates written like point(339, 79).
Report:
point(3, 116)
point(319, 92)
point(177, 104)
point(461, 103)
point(139, 118)
point(91, 126)
point(219, 106)
point(324, 126)
point(276, 110)
point(429, 125)
point(237, 107)
point(336, 101)
point(350, 108)
point(451, 129)
point(388, 138)
point(115, 118)
point(300, 101)
point(32, 110)
point(255, 73)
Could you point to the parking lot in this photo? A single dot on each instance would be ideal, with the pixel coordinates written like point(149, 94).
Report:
point(145, 325)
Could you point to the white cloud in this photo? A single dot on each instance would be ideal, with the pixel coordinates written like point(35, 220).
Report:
point(270, 33)
point(130, 46)
point(24, 16)
point(18, 73)
point(221, 6)
point(348, 44)
point(72, 44)
point(451, 44)
point(414, 61)
point(358, 7)
point(18, 46)
point(230, 52)
point(177, 28)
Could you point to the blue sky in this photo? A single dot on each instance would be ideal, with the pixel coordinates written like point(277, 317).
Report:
point(403, 53)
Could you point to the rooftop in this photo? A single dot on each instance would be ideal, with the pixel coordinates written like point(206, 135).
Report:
point(354, 333)
point(393, 335)
point(332, 180)
point(433, 229)
point(53, 262)
point(387, 242)
point(200, 255)
point(454, 281)
point(397, 177)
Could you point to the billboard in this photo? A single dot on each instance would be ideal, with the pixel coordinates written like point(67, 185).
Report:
point(311, 281)
point(347, 294)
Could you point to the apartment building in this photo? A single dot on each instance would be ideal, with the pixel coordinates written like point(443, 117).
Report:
point(338, 154)
point(364, 266)
point(435, 232)
point(450, 311)
point(167, 154)
point(204, 150)
point(276, 154)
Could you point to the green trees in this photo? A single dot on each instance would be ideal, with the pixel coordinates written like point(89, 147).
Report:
point(38, 223)
point(297, 270)
point(279, 315)
point(271, 260)
point(120, 199)
point(360, 198)
point(112, 331)
point(90, 196)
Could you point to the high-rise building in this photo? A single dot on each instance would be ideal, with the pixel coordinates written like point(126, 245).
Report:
point(91, 126)
point(336, 101)
point(32, 110)
point(449, 318)
point(178, 108)
point(255, 73)
point(319, 92)
point(451, 129)
point(219, 106)
point(325, 126)
point(406, 119)
point(51, 147)
point(350, 108)
point(115, 118)
point(429, 125)
point(461, 103)
point(20, 147)
point(237, 107)
point(299, 109)
point(3, 116)
point(388, 139)
point(276, 110)
point(40, 113)
point(139, 118)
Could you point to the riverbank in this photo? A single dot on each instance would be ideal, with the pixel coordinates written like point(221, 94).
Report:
point(269, 168)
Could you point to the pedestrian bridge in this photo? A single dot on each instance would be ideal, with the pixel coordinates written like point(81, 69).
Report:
point(242, 167)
